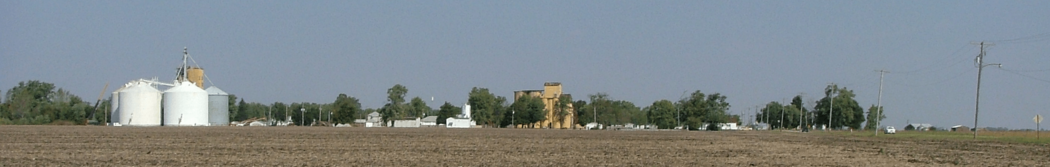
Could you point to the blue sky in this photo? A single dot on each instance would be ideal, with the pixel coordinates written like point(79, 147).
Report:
point(753, 52)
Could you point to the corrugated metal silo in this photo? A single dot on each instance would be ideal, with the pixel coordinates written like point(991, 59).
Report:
point(218, 106)
point(139, 105)
point(185, 105)
point(114, 106)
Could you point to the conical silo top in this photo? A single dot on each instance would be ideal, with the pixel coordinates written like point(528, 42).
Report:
point(212, 90)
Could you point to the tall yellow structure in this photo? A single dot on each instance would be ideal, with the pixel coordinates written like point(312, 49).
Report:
point(550, 96)
point(195, 75)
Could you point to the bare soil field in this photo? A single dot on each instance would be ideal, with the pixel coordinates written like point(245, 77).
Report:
point(324, 146)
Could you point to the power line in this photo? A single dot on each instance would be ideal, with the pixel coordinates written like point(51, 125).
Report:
point(1033, 38)
point(1026, 76)
point(957, 51)
point(961, 73)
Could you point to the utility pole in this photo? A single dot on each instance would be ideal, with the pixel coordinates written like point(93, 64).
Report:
point(878, 114)
point(979, 61)
point(831, 109)
point(800, 112)
point(679, 110)
point(766, 116)
point(782, 118)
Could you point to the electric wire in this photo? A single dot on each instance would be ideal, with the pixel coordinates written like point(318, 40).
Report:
point(1028, 39)
point(1026, 76)
point(957, 51)
point(961, 72)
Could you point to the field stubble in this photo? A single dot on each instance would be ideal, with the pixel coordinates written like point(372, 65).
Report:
point(319, 146)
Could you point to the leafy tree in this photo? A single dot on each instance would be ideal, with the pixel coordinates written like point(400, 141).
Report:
point(872, 112)
point(242, 111)
point(418, 107)
point(583, 115)
point(774, 113)
point(662, 114)
point(232, 106)
point(798, 104)
point(345, 108)
point(446, 111)
point(528, 110)
point(601, 107)
point(562, 107)
point(279, 112)
point(35, 102)
point(394, 109)
point(699, 109)
point(846, 110)
point(486, 108)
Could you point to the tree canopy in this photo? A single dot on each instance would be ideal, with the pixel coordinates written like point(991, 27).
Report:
point(35, 102)
point(662, 113)
point(345, 109)
point(485, 107)
point(845, 112)
point(699, 109)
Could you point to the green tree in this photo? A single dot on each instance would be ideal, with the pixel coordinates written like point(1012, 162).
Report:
point(779, 116)
point(446, 111)
point(601, 107)
point(345, 108)
point(846, 111)
point(279, 112)
point(232, 106)
point(583, 114)
point(418, 108)
point(394, 109)
point(528, 110)
point(872, 112)
point(242, 111)
point(562, 107)
point(701, 109)
point(662, 114)
point(486, 108)
point(35, 102)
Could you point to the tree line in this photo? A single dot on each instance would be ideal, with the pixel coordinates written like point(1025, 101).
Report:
point(837, 106)
point(35, 102)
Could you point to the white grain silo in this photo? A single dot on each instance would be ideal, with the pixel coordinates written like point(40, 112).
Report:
point(185, 104)
point(139, 105)
point(466, 111)
point(114, 106)
point(218, 107)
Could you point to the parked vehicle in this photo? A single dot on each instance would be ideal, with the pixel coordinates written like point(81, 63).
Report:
point(890, 130)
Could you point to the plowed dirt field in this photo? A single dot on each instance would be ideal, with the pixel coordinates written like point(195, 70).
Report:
point(322, 146)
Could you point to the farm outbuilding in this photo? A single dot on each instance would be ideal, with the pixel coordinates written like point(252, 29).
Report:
point(429, 121)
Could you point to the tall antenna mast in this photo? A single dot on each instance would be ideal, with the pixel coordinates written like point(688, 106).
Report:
point(185, 54)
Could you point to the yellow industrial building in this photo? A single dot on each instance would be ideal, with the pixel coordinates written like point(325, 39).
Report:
point(194, 75)
point(550, 95)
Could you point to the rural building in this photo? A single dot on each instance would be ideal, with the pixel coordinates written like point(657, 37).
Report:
point(373, 120)
point(406, 123)
point(550, 95)
point(462, 120)
point(921, 127)
point(960, 128)
point(429, 121)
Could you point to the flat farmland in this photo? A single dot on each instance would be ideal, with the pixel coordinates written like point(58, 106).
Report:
point(325, 146)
